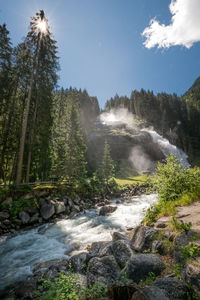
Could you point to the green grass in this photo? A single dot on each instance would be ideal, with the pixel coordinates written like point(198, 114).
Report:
point(131, 180)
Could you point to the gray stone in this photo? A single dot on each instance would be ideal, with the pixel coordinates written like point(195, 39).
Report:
point(24, 216)
point(105, 249)
point(191, 274)
point(140, 265)
point(181, 241)
point(149, 293)
point(122, 252)
point(107, 210)
point(116, 236)
point(34, 218)
point(59, 207)
point(104, 269)
point(79, 262)
point(47, 210)
point(143, 238)
point(174, 288)
point(26, 290)
point(95, 247)
point(157, 246)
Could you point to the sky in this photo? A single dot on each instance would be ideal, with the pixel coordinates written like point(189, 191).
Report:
point(116, 46)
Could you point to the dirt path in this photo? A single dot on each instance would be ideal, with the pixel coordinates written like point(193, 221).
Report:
point(187, 214)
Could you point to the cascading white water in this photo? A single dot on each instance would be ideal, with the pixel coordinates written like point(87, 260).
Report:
point(20, 253)
point(168, 148)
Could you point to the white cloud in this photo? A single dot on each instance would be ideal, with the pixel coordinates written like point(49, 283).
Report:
point(183, 30)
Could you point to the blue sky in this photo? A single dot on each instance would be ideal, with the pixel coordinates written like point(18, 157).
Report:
point(101, 47)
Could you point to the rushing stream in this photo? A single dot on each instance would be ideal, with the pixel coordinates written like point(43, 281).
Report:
point(19, 253)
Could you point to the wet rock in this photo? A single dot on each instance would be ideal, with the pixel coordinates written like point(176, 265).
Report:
point(174, 288)
point(107, 210)
point(47, 264)
point(24, 216)
point(4, 215)
point(149, 293)
point(79, 262)
point(157, 246)
point(140, 265)
point(47, 210)
point(122, 252)
point(95, 247)
point(143, 238)
point(116, 236)
point(59, 207)
point(76, 208)
point(103, 269)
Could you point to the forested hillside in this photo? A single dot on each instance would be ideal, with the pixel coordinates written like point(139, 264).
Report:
point(176, 118)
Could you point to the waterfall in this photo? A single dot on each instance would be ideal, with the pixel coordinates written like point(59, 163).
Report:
point(167, 148)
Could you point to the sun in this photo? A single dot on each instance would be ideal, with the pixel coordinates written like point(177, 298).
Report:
point(42, 26)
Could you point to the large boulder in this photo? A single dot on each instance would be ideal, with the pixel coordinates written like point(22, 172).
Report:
point(191, 274)
point(79, 262)
point(95, 247)
point(122, 252)
point(59, 207)
point(24, 217)
point(174, 288)
point(47, 210)
point(143, 238)
point(107, 210)
point(4, 215)
point(116, 236)
point(149, 293)
point(181, 241)
point(105, 249)
point(140, 265)
point(104, 269)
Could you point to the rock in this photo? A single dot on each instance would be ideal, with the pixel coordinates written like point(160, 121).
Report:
point(47, 210)
point(174, 288)
point(29, 196)
point(34, 218)
point(104, 269)
point(143, 238)
point(107, 210)
point(47, 264)
point(26, 290)
point(95, 247)
point(24, 216)
point(4, 215)
point(17, 222)
point(40, 193)
point(79, 262)
point(191, 275)
point(181, 240)
point(59, 207)
point(8, 200)
point(122, 252)
point(169, 235)
point(123, 290)
point(116, 236)
point(105, 250)
point(32, 210)
point(76, 208)
point(157, 246)
point(150, 293)
point(140, 265)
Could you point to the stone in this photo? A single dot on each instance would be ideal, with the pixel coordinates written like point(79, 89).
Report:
point(4, 215)
point(181, 240)
point(116, 236)
point(95, 247)
point(76, 208)
point(150, 293)
point(122, 252)
point(8, 200)
point(6, 222)
point(140, 265)
point(104, 269)
point(107, 210)
point(173, 287)
point(32, 210)
point(26, 290)
point(34, 218)
point(123, 290)
point(143, 238)
point(47, 210)
point(79, 262)
point(47, 264)
point(59, 207)
point(191, 274)
point(105, 249)
point(24, 216)
point(157, 246)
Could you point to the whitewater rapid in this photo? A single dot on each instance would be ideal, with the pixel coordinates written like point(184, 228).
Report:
point(19, 253)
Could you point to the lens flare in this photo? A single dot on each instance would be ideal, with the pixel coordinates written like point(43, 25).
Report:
point(42, 26)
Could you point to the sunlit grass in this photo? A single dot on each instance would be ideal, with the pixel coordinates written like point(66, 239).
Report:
point(131, 180)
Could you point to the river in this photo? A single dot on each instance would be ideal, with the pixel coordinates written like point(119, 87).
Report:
point(20, 252)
